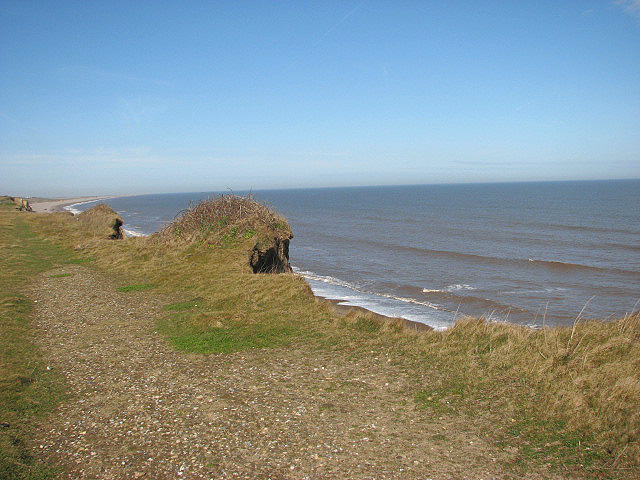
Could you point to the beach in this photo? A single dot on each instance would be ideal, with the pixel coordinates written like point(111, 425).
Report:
point(47, 205)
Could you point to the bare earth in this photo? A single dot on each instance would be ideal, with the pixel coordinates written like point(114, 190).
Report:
point(139, 409)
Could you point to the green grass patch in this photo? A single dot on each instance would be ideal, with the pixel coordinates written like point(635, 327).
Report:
point(547, 441)
point(181, 306)
point(366, 325)
point(187, 332)
point(136, 287)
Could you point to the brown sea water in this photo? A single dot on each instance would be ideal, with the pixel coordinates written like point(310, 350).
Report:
point(526, 253)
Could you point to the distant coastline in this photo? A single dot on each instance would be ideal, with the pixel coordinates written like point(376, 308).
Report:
point(45, 205)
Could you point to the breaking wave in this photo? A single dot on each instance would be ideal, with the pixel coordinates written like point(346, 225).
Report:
point(341, 283)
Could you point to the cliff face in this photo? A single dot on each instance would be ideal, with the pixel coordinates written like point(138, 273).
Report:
point(272, 257)
point(102, 221)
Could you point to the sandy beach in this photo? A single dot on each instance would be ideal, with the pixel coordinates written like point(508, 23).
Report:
point(57, 205)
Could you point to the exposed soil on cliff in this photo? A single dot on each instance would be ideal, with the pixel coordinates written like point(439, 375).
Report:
point(139, 409)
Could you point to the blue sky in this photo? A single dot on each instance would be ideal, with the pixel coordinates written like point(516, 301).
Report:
point(141, 97)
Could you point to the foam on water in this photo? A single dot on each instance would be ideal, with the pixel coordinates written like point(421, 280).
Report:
point(450, 288)
point(133, 233)
point(73, 208)
point(378, 302)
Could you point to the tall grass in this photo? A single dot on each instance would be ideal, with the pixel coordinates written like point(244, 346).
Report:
point(583, 380)
point(225, 218)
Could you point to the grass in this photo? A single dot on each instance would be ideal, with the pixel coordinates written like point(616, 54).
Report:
point(542, 439)
point(568, 397)
point(192, 336)
point(28, 389)
point(180, 306)
point(100, 221)
point(195, 326)
point(563, 398)
point(232, 221)
point(136, 287)
point(226, 220)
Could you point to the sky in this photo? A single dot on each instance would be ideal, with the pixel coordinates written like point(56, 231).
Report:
point(165, 96)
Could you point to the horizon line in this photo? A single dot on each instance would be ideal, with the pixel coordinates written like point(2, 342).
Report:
point(326, 187)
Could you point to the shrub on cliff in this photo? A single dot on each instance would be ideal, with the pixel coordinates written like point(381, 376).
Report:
point(232, 220)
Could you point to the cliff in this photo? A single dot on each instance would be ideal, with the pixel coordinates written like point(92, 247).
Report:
point(102, 221)
point(236, 222)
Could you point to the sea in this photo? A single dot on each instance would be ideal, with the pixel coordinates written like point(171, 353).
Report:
point(536, 254)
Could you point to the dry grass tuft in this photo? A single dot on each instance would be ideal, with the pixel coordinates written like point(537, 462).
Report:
point(225, 219)
point(587, 377)
point(101, 221)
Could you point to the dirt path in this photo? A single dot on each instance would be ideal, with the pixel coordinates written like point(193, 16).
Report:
point(138, 409)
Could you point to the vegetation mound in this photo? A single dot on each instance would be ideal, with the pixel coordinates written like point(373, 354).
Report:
point(102, 221)
point(232, 220)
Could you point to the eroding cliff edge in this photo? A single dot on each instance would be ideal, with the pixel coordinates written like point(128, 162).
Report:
point(272, 257)
point(102, 221)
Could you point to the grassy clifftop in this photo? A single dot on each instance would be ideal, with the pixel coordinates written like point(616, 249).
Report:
point(561, 400)
point(224, 219)
point(231, 220)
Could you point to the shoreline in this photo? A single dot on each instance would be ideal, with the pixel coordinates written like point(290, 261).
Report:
point(43, 205)
point(57, 205)
point(343, 310)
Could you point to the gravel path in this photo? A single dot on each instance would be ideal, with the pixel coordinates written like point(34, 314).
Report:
point(138, 409)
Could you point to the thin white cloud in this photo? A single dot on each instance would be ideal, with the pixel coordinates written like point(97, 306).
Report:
point(632, 7)
point(338, 23)
point(140, 111)
point(83, 70)
point(17, 123)
point(115, 158)
point(10, 119)
point(313, 154)
point(95, 157)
